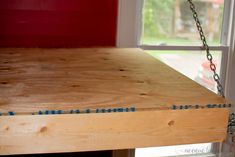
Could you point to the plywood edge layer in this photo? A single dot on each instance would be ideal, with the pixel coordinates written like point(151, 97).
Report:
point(27, 134)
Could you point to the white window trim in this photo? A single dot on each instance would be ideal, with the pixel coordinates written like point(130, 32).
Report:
point(129, 24)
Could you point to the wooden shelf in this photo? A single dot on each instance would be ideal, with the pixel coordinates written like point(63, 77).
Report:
point(33, 80)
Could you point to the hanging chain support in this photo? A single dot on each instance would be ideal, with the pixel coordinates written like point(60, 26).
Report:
point(207, 49)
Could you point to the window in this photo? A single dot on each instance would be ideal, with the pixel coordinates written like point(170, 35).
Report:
point(202, 149)
point(168, 25)
point(170, 22)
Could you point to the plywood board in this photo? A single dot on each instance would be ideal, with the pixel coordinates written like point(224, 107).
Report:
point(65, 79)
point(33, 80)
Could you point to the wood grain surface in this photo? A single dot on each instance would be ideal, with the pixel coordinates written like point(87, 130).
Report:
point(63, 79)
point(29, 134)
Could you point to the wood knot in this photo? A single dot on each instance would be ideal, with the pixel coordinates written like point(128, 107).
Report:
point(4, 82)
point(171, 123)
point(7, 128)
point(43, 129)
point(75, 86)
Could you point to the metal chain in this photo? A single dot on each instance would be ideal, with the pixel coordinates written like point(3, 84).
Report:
point(206, 47)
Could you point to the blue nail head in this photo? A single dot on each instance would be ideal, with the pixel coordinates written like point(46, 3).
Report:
point(47, 112)
point(109, 110)
point(40, 112)
point(174, 107)
point(127, 109)
point(120, 110)
point(77, 111)
point(88, 111)
point(10, 113)
point(214, 105)
point(53, 112)
point(114, 110)
point(133, 109)
point(103, 110)
point(59, 111)
point(97, 110)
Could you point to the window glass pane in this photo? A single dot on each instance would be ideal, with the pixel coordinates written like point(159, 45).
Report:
point(175, 150)
point(193, 64)
point(170, 22)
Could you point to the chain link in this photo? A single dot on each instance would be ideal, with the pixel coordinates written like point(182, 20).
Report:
point(206, 48)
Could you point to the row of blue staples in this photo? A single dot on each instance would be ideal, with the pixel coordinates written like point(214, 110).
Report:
point(77, 111)
point(181, 107)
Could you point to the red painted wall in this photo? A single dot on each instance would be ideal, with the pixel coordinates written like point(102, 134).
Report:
point(58, 23)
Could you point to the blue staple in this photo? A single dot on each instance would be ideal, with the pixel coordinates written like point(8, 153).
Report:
point(120, 110)
point(174, 107)
point(47, 112)
point(10, 113)
point(132, 109)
